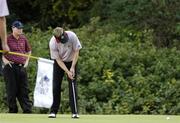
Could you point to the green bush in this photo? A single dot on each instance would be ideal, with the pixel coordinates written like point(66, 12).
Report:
point(120, 72)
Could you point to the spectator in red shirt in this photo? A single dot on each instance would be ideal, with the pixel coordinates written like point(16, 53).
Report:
point(15, 74)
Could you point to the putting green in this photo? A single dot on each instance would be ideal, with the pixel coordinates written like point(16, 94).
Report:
point(43, 118)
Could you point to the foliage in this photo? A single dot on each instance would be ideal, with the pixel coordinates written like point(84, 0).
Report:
point(50, 13)
point(120, 72)
point(160, 15)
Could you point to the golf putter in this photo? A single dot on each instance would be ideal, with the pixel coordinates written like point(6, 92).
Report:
point(74, 96)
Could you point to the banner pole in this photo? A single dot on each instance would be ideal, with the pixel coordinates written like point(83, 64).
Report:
point(19, 54)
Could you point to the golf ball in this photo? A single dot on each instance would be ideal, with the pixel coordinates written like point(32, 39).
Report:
point(167, 118)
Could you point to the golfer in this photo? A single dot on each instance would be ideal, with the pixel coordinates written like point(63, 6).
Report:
point(64, 50)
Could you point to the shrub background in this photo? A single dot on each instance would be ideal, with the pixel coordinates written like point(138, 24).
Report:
point(120, 72)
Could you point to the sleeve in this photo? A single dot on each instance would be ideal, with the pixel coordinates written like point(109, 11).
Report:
point(76, 43)
point(53, 49)
point(27, 45)
point(3, 8)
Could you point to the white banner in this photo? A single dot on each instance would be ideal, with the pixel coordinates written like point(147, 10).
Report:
point(43, 92)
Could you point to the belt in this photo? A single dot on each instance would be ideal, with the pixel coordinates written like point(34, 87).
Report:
point(17, 64)
point(20, 65)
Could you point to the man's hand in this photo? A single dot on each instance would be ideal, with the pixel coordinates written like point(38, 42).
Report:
point(26, 64)
point(6, 62)
point(5, 47)
point(72, 71)
point(70, 75)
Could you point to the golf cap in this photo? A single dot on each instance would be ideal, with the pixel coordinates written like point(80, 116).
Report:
point(17, 24)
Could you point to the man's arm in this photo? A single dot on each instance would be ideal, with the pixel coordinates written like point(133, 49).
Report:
point(75, 59)
point(5, 61)
point(3, 33)
point(27, 60)
point(63, 66)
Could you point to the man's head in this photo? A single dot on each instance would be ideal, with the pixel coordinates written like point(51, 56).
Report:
point(17, 27)
point(60, 35)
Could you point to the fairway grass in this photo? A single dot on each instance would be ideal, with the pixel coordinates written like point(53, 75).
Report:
point(43, 118)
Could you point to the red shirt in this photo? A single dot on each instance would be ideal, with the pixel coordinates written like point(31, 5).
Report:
point(20, 46)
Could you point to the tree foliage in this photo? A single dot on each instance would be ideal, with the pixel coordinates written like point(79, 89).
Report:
point(163, 16)
point(50, 13)
point(120, 69)
point(120, 72)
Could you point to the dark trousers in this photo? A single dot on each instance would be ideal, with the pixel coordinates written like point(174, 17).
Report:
point(58, 74)
point(17, 87)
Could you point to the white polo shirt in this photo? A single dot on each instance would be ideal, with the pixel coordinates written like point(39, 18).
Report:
point(64, 51)
point(3, 8)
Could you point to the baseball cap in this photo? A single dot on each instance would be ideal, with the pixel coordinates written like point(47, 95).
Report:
point(17, 24)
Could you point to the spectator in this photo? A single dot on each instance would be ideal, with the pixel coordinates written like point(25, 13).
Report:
point(15, 74)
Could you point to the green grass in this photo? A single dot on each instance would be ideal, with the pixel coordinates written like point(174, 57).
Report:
point(42, 118)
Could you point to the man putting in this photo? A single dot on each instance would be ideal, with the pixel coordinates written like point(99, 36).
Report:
point(64, 50)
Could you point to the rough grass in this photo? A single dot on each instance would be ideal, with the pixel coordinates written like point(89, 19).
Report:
point(42, 118)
